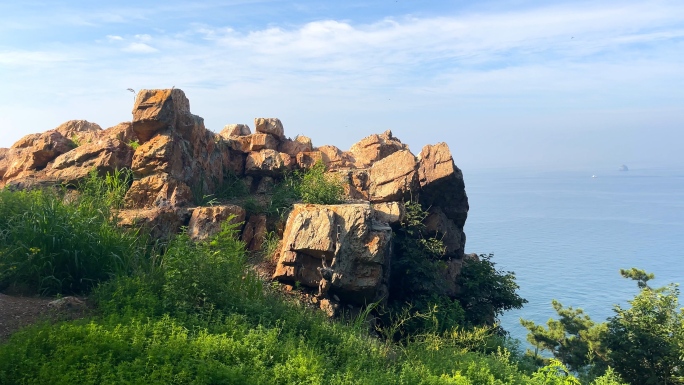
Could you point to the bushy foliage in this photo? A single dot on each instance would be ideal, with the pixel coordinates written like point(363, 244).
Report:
point(418, 283)
point(318, 187)
point(644, 344)
point(54, 241)
point(646, 341)
point(574, 339)
point(486, 292)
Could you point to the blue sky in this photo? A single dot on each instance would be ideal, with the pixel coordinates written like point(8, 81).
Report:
point(505, 83)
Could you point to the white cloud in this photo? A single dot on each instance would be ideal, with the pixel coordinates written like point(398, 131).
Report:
point(140, 48)
point(112, 38)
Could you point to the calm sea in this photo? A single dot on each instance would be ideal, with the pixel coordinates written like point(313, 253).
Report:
point(566, 235)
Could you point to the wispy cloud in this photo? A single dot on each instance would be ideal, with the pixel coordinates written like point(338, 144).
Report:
point(619, 57)
point(139, 48)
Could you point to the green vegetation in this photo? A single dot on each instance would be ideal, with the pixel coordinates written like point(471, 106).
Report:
point(51, 245)
point(644, 344)
point(134, 144)
point(194, 313)
point(317, 187)
point(419, 286)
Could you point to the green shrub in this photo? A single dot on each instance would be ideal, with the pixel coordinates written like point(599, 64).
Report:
point(318, 187)
point(486, 292)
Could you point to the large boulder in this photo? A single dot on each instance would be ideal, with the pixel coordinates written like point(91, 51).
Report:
point(104, 156)
point(356, 250)
point(235, 130)
point(155, 110)
point(80, 131)
point(294, 147)
point(35, 152)
point(175, 148)
point(393, 177)
point(271, 126)
point(207, 221)
point(375, 147)
point(267, 162)
point(441, 183)
point(162, 223)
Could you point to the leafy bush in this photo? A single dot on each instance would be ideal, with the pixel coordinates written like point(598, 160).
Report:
point(644, 344)
point(486, 292)
point(318, 187)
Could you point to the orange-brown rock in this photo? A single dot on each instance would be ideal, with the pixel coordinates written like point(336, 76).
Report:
point(267, 162)
point(207, 221)
point(177, 149)
point(104, 156)
point(263, 142)
point(161, 223)
point(308, 159)
point(235, 130)
point(80, 131)
point(36, 152)
point(356, 182)
point(156, 110)
point(122, 131)
point(346, 238)
point(393, 177)
point(271, 126)
point(158, 190)
point(441, 183)
point(391, 213)
point(375, 147)
point(254, 232)
point(294, 147)
point(334, 158)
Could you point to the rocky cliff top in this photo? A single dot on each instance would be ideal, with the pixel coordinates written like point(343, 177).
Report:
point(174, 159)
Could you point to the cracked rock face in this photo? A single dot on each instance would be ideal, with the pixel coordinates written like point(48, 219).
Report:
point(345, 237)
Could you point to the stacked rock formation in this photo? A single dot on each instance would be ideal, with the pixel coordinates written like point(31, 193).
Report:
point(176, 162)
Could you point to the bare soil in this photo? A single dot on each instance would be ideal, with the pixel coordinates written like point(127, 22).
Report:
point(17, 311)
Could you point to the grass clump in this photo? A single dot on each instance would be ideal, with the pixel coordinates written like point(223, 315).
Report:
point(318, 187)
point(54, 246)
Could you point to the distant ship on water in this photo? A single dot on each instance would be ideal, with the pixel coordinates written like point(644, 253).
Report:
point(623, 168)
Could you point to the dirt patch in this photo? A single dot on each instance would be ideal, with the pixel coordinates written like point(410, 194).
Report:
point(18, 311)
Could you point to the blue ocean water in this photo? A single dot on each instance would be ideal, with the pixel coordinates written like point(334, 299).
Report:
point(566, 235)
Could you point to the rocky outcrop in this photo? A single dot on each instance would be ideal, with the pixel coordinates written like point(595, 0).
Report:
point(375, 147)
point(343, 237)
point(178, 158)
point(342, 251)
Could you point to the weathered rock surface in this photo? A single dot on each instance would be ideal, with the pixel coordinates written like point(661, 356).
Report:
point(160, 222)
point(375, 147)
point(104, 155)
point(35, 152)
point(207, 221)
point(80, 131)
point(177, 162)
point(234, 130)
point(177, 150)
point(345, 237)
point(441, 183)
point(391, 213)
point(267, 162)
point(254, 232)
point(294, 147)
point(392, 178)
point(271, 126)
